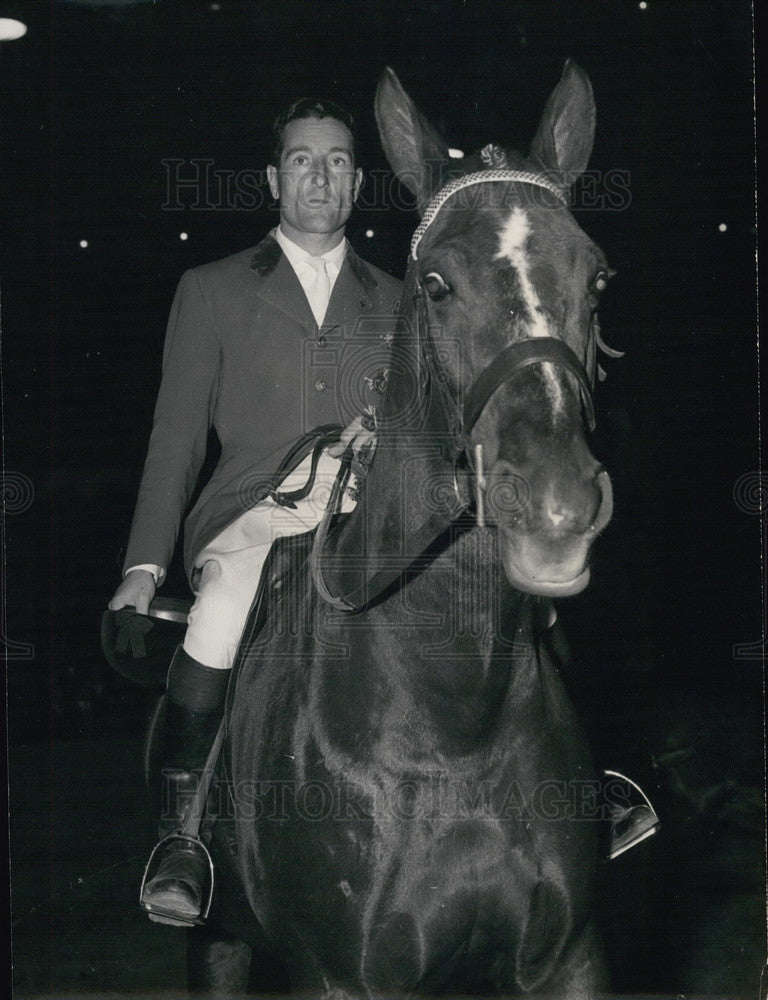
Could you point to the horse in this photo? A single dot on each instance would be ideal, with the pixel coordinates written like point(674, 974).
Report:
point(412, 792)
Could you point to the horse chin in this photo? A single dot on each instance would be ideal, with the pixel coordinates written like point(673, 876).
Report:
point(532, 576)
point(552, 563)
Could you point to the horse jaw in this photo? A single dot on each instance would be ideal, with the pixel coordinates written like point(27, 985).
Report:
point(546, 565)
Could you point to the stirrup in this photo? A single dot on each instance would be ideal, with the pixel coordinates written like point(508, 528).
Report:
point(632, 824)
point(170, 917)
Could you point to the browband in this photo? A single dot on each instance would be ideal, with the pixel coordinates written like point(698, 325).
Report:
point(480, 177)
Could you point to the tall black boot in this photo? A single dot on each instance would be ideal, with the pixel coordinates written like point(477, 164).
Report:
point(194, 707)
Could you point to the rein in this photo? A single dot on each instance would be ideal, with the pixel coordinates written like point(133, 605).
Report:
point(315, 441)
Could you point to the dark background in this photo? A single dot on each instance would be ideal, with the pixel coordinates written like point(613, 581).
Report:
point(668, 669)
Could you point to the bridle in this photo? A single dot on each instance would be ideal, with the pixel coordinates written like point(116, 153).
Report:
point(461, 414)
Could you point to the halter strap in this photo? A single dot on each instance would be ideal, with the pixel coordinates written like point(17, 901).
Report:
point(480, 177)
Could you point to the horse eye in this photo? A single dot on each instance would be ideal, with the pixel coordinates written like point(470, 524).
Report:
point(436, 286)
point(600, 281)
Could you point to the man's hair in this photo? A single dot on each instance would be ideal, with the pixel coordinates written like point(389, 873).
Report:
point(308, 107)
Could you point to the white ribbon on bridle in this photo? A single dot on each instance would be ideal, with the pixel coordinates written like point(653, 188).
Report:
point(480, 177)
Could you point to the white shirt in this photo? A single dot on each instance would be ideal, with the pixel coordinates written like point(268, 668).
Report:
point(299, 259)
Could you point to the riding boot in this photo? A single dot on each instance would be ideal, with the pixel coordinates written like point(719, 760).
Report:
point(194, 707)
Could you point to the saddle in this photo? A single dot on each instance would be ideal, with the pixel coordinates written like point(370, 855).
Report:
point(285, 559)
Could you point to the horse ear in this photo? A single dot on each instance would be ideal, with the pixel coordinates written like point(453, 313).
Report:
point(416, 152)
point(564, 140)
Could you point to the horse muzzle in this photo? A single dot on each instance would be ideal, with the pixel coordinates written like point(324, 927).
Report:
point(547, 552)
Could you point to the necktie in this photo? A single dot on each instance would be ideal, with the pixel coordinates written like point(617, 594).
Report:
point(319, 288)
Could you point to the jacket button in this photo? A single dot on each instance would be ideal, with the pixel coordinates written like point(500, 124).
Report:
point(321, 385)
point(322, 341)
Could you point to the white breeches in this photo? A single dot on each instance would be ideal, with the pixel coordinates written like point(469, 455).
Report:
point(230, 566)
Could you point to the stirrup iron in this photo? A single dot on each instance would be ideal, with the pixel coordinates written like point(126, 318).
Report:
point(170, 917)
point(632, 823)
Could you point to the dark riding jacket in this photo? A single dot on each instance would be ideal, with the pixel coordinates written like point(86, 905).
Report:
point(243, 354)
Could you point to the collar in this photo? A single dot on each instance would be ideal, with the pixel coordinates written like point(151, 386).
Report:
point(298, 255)
point(360, 269)
point(267, 254)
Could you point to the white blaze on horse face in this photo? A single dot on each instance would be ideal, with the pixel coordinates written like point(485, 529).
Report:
point(512, 240)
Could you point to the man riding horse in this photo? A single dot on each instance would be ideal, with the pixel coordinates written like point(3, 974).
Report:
point(482, 503)
point(248, 352)
point(409, 781)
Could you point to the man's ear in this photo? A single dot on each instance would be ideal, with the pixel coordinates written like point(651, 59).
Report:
point(272, 177)
point(358, 183)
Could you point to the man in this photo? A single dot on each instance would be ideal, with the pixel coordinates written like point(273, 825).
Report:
point(245, 353)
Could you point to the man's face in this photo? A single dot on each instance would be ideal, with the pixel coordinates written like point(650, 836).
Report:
point(316, 183)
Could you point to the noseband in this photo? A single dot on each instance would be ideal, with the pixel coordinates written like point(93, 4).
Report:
point(461, 418)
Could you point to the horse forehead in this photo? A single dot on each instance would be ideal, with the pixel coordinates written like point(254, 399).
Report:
point(536, 243)
point(513, 236)
point(513, 248)
point(520, 230)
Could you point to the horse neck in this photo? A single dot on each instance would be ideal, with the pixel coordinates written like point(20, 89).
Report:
point(407, 500)
point(482, 650)
point(485, 626)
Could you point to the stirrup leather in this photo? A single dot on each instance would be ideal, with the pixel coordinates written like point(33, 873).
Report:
point(205, 907)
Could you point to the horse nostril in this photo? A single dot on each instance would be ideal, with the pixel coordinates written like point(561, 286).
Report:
point(556, 516)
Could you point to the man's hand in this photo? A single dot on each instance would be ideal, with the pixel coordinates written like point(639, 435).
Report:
point(136, 590)
point(361, 436)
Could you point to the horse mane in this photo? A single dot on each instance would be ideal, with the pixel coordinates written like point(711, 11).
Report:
point(409, 490)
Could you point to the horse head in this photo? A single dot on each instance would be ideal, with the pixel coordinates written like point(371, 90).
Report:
point(502, 292)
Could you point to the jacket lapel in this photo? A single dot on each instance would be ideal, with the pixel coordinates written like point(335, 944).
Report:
point(351, 295)
point(278, 284)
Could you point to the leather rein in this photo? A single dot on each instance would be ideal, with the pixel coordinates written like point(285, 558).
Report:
point(460, 415)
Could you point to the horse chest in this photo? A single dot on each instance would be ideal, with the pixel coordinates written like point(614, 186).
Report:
point(394, 871)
